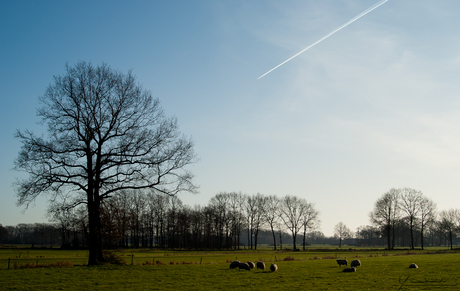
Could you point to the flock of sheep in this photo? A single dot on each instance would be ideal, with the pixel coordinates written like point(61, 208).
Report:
point(357, 263)
point(353, 265)
point(250, 265)
point(273, 267)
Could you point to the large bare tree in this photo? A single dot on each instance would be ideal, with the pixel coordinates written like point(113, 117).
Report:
point(106, 134)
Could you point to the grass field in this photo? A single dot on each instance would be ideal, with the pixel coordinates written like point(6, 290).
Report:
point(314, 269)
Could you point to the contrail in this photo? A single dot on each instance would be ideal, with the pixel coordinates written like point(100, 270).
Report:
point(331, 33)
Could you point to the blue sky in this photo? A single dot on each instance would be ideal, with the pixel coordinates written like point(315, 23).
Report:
point(373, 107)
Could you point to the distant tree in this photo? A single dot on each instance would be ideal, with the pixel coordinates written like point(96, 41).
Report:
point(410, 205)
point(272, 214)
point(292, 214)
point(386, 214)
point(310, 221)
point(106, 134)
point(449, 223)
point(427, 216)
point(236, 203)
point(3, 233)
point(341, 232)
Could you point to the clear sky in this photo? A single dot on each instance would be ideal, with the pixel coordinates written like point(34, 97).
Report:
point(373, 107)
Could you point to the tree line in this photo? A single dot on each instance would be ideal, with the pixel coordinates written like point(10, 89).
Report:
point(406, 217)
point(148, 219)
point(140, 218)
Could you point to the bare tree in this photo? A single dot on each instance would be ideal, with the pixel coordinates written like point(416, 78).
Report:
point(410, 205)
point(292, 212)
point(341, 232)
point(386, 214)
point(272, 214)
point(449, 223)
point(427, 216)
point(310, 220)
point(236, 202)
point(106, 134)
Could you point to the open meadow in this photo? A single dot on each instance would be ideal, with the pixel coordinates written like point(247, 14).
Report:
point(209, 270)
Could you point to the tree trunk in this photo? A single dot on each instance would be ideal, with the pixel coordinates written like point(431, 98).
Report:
point(95, 239)
point(274, 236)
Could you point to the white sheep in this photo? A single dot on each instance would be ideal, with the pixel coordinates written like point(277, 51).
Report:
point(352, 269)
point(273, 267)
point(413, 266)
point(251, 265)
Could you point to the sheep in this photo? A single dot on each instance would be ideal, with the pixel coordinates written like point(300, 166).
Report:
point(244, 266)
point(251, 264)
point(342, 262)
point(260, 265)
point(273, 267)
point(352, 269)
point(355, 263)
point(234, 264)
point(413, 266)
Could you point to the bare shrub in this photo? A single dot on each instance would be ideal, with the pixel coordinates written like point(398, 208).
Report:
point(315, 258)
point(111, 257)
point(289, 258)
point(328, 257)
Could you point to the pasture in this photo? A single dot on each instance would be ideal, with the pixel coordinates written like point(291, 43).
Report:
point(314, 269)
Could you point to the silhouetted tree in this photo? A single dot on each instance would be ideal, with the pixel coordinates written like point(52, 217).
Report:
point(386, 214)
point(341, 232)
point(448, 223)
point(106, 134)
point(410, 205)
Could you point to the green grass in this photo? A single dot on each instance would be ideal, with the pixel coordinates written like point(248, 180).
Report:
point(314, 269)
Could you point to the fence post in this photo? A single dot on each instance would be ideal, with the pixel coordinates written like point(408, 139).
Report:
point(132, 259)
point(9, 263)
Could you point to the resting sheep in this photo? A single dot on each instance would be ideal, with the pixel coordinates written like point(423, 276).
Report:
point(413, 266)
point(273, 267)
point(355, 263)
point(342, 262)
point(352, 269)
point(260, 265)
point(251, 265)
point(234, 264)
point(244, 266)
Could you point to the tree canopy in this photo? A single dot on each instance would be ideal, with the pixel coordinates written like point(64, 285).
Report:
point(105, 134)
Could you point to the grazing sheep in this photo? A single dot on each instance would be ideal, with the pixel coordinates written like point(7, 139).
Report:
point(413, 266)
point(260, 265)
point(273, 267)
point(234, 264)
point(352, 269)
point(251, 264)
point(355, 263)
point(342, 262)
point(244, 266)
